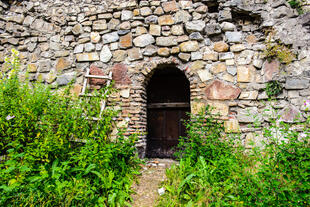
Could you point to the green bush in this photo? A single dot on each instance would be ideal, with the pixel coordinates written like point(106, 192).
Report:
point(274, 175)
point(279, 51)
point(204, 131)
point(43, 166)
point(273, 88)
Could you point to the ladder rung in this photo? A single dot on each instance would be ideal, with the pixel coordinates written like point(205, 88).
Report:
point(3, 158)
point(78, 140)
point(92, 95)
point(93, 118)
point(89, 95)
point(98, 76)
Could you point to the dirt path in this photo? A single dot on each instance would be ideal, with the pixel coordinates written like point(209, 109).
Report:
point(153, 173)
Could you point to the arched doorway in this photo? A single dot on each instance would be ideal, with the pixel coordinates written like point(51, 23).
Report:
point(168, 101)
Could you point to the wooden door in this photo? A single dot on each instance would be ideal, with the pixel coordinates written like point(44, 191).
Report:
point(168, 105)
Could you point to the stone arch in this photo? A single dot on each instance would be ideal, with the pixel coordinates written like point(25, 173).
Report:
point(161, 66)
point(146, 71)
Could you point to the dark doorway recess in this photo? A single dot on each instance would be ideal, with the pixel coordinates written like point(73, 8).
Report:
point(168, 101)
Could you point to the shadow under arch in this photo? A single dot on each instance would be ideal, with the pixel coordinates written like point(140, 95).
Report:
point(168, 102)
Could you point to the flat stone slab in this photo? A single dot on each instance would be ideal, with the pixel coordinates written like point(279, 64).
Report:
point(222, 91)
point(85, 57)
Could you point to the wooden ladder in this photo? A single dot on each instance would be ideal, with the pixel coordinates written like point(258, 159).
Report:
point(104, 100)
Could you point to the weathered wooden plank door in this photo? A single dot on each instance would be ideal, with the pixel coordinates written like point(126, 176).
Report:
point(168, 104)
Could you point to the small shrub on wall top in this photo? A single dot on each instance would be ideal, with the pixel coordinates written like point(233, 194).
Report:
point(273, 88)
point(297, 4)
point(43, 166)
point(277, 50)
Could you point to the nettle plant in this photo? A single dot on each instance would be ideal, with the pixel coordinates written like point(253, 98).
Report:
point(307, 105)
point(43, 164)
point(221, 172)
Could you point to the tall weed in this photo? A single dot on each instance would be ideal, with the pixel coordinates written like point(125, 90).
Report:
point(204, 132)
point(223, 173)
point(43, 166)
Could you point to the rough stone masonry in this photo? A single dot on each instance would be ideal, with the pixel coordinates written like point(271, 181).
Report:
point(219, 45)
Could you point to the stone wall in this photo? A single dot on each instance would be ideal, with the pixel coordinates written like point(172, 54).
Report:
point(218, 44)
point(306, 5)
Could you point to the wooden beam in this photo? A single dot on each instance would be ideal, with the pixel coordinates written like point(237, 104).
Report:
point(168, 105)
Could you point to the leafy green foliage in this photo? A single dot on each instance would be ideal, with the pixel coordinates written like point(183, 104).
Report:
point(43, 166)
point(202, 134)
point(274, 175)
point(273, 88)
point(296, 4)
point(279, 51)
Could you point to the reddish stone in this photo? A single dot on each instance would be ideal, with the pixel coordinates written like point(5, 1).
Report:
point(76, 90)
point(120, 74)
point(222, 91)
point(170, 6)
point(270, 69)
point(96, 71)
point(135, 54)
point(62, 64)
point(251, 39)
point(221, 47)
point(165, 20)
point(291, 114)
point(125, 41)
